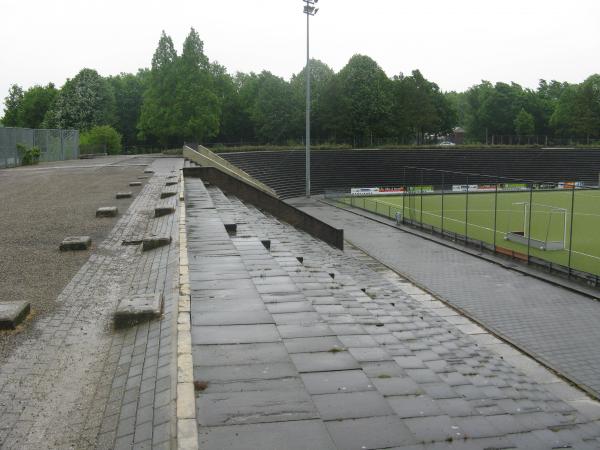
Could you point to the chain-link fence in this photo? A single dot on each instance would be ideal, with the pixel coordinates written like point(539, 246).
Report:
point(54, 145)
point(550, 224)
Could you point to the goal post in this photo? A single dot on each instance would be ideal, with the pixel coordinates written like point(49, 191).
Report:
point(541, 226)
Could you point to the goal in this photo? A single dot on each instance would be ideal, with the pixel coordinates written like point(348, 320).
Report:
point(541, 226)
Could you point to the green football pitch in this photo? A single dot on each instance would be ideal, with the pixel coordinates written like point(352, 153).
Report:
point(543, 216)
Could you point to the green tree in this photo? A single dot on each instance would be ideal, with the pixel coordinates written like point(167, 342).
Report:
point(196, 105)
point(500, 107)
point(420, 108)
point(235, 123)
point(247, 86)
point(83, 102)
point(156, 117)
point(272, 111)
point(320, 77)
point(12, 106)
point(524, 124)
point(365, 102)
point(129, 91)
point(587, 107)
point(563, 118)
point(36, 103)
point(101, 139)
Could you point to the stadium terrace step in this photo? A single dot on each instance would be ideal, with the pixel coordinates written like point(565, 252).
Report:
point(138, 308)
point(282, 347)
point(284, 171)
point(76, 243)
point(12, 314)
point(107, 211)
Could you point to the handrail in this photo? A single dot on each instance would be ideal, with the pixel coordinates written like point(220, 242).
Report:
point(206, 158)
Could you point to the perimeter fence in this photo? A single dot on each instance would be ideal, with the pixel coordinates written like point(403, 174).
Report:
point(549, 224)
point(54, 145)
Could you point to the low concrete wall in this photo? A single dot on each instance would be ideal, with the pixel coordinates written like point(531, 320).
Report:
point(281, 210)
point(206, 158)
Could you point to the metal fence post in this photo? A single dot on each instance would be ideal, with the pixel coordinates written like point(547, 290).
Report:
point(571, 227)
point(404, 202)
point(495, 213)
point(443, 180)
point(530, 220)
point(467, 214)
point(421, 205)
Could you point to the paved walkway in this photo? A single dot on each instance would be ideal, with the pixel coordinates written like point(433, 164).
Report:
point(556, 326)
point(75, 382)
point(298, 345)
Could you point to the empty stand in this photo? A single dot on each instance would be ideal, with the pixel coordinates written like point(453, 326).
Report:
point(340, 169)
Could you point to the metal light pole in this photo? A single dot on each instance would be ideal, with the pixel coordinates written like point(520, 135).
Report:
point(309, 10)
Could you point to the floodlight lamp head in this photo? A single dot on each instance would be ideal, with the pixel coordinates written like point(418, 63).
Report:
point(311, 10)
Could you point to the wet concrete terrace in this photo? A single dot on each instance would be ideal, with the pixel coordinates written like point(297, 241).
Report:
point(304, 347)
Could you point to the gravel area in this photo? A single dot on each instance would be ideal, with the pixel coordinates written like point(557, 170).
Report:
point(42, 205)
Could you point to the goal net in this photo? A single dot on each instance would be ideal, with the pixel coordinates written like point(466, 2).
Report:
point(538, 225)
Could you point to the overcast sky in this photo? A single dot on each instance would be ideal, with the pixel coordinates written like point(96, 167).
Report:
point(454, 43)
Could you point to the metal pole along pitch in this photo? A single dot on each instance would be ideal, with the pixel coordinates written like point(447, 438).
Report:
point(308, 105)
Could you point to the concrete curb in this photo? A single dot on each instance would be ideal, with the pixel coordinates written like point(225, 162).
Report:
point(187, 432)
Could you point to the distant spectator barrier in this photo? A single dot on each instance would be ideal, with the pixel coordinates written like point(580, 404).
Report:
point(54, 145)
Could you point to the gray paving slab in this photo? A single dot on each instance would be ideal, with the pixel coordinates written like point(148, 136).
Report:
point(254, 407)
point(324, 361)
point(313, 344)
point(233, 318)
point(296, 435)
point(336, 382)
point(245, 372)
point(370, 433)
point(556, 325)
point(234, 334)
point(239, 354)
point(351, 405)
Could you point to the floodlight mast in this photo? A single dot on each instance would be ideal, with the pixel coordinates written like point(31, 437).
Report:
point(309, 10)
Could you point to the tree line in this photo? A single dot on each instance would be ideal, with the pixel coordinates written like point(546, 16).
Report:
point(186, 97)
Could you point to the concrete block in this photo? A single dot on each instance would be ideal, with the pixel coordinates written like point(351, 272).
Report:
point(12, 314)
point(124, 195)
point(231, 228)
point(148, 171)
point(167, 194)
point(107, 211)
point(139, 308)
point(266, 243)
point(163, 210)
point(171, 183)
point(132, 240)
point(152, 242)
point(135, 183)
point(76, 243)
